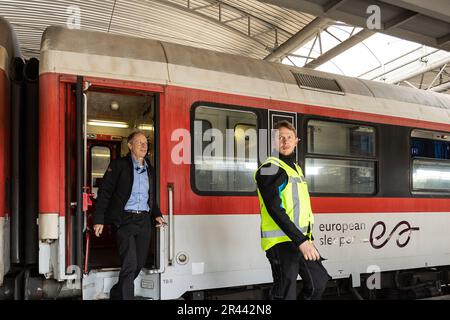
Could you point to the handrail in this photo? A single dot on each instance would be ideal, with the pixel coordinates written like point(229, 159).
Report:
point(171, 230)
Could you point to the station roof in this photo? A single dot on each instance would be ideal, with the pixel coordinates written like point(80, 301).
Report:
point(293, 32)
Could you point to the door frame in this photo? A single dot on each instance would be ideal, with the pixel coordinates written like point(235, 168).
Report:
point(68, 101)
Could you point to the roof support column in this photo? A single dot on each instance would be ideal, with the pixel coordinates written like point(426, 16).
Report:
point(299, 39)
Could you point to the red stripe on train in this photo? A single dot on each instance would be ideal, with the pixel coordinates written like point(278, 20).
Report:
point(175, 113)
point(250, 205)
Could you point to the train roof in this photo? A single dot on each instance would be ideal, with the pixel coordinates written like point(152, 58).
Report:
point(94, 53)
point(8, 44)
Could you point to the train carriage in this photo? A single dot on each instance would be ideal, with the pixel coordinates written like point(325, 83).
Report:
point(379, 194)
point(376, 158)
point(8, 51)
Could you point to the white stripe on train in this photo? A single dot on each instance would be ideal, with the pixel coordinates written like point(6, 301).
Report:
point(169, 74)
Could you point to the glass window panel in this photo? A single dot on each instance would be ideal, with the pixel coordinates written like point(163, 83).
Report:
point(340, 139)
point(100, 159)
point(225, 151)
point(430, 144)
point(431, 175)
point(340, 176)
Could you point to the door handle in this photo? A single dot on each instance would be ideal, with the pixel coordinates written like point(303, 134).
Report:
point(171, 227)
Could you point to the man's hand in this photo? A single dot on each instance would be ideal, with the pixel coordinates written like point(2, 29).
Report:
point(98, 229)
point(309, 251)
point(161, 222)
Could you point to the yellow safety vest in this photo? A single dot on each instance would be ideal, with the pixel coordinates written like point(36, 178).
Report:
point(294, 199)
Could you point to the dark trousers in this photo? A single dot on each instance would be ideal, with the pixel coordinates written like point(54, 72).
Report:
point(133, 242)
point(287, 263)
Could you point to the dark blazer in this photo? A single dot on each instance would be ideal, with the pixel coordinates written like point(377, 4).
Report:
point(115, 190)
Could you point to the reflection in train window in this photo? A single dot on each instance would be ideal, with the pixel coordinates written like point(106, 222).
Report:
point(430, 153)
point(101, 156)
point(340, 176)
point(340, 158)
point(340, 139)
point(225, 150)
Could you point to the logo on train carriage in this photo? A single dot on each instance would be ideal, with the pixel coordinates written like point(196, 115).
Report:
point(403, 230)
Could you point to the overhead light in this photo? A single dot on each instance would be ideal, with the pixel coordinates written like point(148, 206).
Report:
point(147, 127)
point(101, 155)
point(113, 124)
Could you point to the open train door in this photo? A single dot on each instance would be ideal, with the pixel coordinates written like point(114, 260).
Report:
point(110, 115)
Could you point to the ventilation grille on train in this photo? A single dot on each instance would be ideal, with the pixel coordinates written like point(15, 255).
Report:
point(317, 83)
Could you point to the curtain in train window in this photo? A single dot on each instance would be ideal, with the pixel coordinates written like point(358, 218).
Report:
point(430, 153)
point(225, 150)
point(428, 148)
point(340, 158)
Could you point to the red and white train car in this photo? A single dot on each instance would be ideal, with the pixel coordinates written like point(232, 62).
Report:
point(380, 190)
point(7, 53)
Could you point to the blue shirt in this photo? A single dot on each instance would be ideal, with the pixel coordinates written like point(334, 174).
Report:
point(139, 193)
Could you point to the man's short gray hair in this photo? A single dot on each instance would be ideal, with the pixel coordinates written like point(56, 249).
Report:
point(133, 134)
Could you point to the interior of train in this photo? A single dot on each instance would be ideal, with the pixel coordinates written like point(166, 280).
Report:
point(111, 117)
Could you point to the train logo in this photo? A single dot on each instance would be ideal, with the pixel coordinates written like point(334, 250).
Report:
point(400, 243)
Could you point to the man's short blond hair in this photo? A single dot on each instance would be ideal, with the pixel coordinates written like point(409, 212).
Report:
point(285, 124)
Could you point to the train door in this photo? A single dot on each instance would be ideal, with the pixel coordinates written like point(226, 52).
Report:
point(108, 116)
point(99, 251)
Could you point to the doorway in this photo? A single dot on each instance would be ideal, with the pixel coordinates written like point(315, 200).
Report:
point(112, 116)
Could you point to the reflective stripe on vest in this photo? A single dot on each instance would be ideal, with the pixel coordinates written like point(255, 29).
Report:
point(271, 234)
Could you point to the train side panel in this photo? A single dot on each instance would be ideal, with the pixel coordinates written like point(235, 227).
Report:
point(4, 165)
point(52, 202)
point(214, 238)
point(219, 234)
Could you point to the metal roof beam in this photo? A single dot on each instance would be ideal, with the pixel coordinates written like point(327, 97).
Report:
point(435, 8)
point(443, 40)
point(403, 64)
point(410, 84)
point(205, 6)
point(400, 19)
point(402, 12)
point(340, 48)
point(441, 88)
point(236, 19)
point(298, 56)
point(333, 5)
point(189, 9)
point(432, 66)
point(299, 39)
point(390, 61)
point(437, 76)
point(242, 14)
point(230, 7)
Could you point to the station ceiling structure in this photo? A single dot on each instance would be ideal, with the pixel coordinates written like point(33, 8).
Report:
point(274, 30)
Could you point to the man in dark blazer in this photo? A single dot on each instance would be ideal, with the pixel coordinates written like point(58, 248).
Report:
point(127, 200)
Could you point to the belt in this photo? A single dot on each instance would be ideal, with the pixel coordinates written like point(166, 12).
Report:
point(138, 212)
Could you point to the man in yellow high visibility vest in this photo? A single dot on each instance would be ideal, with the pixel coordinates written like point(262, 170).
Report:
point(287, 221)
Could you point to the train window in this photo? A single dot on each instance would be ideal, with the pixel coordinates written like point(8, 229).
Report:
point(225, 150)
point(101, 156)
point(340, 139)
point(430, 153)
point(340, 176)
point(431, 175)
point(340, 158)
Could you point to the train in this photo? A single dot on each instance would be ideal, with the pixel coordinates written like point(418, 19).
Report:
point(376, 158)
